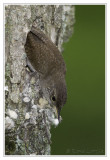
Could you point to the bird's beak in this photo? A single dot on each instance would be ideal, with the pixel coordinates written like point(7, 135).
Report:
point(57, 112)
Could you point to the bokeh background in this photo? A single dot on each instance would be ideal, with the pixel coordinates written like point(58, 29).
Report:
point(82, 131)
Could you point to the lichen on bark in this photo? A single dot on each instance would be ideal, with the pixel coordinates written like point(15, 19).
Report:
point(28, 115)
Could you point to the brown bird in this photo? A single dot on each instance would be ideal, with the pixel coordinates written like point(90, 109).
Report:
point(47, 60)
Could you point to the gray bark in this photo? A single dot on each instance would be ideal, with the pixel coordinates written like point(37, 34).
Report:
point(28, 117)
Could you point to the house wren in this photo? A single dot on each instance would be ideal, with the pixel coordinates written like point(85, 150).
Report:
point(47, 60)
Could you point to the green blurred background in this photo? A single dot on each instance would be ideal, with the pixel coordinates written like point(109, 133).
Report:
point(82, 130)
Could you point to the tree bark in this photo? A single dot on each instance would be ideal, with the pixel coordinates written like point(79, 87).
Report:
point(28, 116)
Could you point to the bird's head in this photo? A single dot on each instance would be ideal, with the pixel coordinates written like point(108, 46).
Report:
point(57, 95)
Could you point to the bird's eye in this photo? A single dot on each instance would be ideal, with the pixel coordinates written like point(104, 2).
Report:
point(53, 98)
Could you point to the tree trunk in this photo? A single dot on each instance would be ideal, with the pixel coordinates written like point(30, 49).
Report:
point(27, 121)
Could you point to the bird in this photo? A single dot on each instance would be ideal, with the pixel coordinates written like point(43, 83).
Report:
point(48, 61)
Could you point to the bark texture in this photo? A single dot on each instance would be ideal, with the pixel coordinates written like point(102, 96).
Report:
point(28, 115)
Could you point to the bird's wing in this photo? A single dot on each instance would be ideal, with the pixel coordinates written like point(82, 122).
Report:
point(42, 53)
